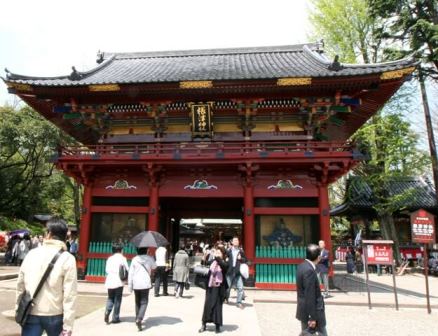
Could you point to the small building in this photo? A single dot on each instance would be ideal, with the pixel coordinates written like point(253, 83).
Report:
point(358, 208)
point(255, 134)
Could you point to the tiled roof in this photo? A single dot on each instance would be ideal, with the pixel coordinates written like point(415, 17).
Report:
point(214, 64)
point(360, 196)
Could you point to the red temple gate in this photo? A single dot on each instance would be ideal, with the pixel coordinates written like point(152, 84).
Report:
point(254, 133)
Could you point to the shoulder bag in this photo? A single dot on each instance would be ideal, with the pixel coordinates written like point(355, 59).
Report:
point(123, 272)
point(244, 270)
point(25, 302)
point(201, 276)
point(202, 270)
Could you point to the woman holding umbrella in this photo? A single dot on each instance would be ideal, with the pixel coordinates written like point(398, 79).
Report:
point(216, 290)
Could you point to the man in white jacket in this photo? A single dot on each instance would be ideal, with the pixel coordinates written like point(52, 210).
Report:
point(114, 284)
point(54, 307)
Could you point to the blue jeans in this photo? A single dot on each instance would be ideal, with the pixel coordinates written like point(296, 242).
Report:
point(35, 325)
point(114, 300)
point(141, 303)
point(325, 281)
point(238, 282)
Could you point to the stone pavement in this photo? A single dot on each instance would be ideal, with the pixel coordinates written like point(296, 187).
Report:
point(272, 312)
point(167, 315)
point(8, 272)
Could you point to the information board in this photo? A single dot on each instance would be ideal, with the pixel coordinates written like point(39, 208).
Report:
point(423, 227)
point(379, 254)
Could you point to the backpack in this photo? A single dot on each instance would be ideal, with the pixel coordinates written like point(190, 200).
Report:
point(123, 272)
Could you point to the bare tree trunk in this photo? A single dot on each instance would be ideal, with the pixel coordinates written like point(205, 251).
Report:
point(389, 232)
point(432, 146)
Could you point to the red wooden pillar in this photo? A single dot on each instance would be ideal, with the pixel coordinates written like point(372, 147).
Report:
point(248, 224)
point(324, 222)
point(84, 231)
point(153, 208)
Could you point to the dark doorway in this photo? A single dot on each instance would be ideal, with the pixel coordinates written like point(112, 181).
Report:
point(194, 221)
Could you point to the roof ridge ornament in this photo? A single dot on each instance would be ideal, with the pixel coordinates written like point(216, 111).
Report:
point(336, 65)
point(75, 75)
point(320, 46)
point(100, 57)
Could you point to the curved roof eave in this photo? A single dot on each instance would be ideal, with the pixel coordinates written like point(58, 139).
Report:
point(10, 76)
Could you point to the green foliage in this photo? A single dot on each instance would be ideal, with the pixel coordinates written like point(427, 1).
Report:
point(30, 183)
point(391, 147)
point(347, 29)
point(412, 28)
point(8, 224)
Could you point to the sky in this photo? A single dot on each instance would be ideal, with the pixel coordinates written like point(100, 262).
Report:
point(47, 38)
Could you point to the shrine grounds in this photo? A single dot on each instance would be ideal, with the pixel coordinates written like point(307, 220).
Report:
point(266, 312)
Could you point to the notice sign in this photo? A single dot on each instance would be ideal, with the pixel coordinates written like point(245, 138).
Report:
point(423, 227)
point(379, 254)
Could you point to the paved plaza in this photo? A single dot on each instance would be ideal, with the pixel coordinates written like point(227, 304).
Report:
point(266, 312)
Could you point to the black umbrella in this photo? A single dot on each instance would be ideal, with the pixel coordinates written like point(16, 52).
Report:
point(149, 239)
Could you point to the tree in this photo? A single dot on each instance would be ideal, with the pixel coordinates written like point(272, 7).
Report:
point(387, 138)
point(392, 153)
point(347, 29)
point(412, 28)
point(29, 181)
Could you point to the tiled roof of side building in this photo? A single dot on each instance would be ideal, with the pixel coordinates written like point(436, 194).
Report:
point(419, 194)
point(304, 60)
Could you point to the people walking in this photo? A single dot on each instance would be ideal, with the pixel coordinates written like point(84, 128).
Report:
point(114, 284)
point(161, 274)
point(235, 256)
point(181, 269)
point(73, 249)
point(310, 303)
point(139, 281)
point(323, 267)
point(23, 249)
point(215, 292)
point(350, 258)
point(53, 310)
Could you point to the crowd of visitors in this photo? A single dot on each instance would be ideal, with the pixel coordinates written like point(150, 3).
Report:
point(19, 245)
point(223, 261)
point(151, 267)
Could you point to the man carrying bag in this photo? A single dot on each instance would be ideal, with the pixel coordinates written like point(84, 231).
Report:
point(53, 305)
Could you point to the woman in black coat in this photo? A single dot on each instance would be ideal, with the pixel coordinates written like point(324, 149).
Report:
point(216, 290)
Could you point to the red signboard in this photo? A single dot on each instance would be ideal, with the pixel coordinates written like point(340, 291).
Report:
point(379, 252)
point(423, 227)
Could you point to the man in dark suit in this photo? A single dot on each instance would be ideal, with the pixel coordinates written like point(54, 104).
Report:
point(310, 303)
point(235, 256)
point(323, 267)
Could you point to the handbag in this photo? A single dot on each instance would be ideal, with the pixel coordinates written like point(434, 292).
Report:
point(202, 270)
point(201, 280)
point(187, 285)
point(244, 270)
point(123, 272)
point(25, 301)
